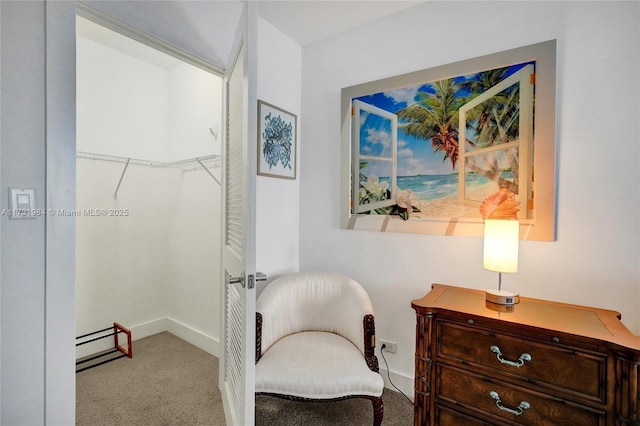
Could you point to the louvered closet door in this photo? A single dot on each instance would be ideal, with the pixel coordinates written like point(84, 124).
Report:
point(237, 373)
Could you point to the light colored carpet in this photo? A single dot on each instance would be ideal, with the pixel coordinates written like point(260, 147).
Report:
point(272, 411)
point(171, 382)
point(167, 382)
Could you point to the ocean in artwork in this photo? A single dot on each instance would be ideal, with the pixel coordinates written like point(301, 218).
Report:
point(434, 187)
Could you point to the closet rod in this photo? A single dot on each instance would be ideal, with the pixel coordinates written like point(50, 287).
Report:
point(192, 160)
point(154, 164)
point(115, 159)
point(148, 163)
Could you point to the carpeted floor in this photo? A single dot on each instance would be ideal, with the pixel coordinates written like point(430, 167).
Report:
point(272, 411)
point(167, 382)
point(171, 382)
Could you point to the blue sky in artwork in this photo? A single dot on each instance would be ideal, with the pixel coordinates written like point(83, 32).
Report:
point(415, 156)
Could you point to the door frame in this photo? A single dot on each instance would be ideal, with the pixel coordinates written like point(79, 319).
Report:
point(85, 11)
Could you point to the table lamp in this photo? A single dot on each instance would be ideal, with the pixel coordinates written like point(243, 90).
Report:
point(501, 239)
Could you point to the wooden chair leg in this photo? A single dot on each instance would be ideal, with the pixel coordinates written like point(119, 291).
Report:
point(378, 411)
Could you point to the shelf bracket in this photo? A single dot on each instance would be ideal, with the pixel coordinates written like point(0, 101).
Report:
point(115, 194)
point(208, 171)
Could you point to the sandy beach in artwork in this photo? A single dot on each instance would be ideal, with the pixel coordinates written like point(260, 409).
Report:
point(449, 207)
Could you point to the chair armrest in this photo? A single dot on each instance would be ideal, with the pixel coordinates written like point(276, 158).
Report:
point(258, 336)
point(369, 325)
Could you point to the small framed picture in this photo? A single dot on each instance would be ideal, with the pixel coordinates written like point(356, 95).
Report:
point(277, 131)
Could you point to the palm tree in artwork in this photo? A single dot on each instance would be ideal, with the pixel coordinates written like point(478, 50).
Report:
point(435, 116)
point(495, 121)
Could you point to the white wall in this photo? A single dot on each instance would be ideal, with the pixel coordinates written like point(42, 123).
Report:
point(277, 200)
point(595, 258)
point(153, 110)
point(37, 354)
point(123, 104)
point(194, 238)
point(195, 102)
point(123, 268)
point(22, 295)
point(36, 347)
point(156, 265)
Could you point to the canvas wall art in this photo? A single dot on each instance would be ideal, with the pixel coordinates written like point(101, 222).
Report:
point(440, 150)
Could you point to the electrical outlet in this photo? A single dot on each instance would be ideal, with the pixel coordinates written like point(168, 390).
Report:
point(389, 346)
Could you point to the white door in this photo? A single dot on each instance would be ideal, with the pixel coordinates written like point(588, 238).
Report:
point(237, 365)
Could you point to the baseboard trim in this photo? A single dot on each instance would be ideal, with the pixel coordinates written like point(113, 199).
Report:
point(404, 383)
point(150, 328)
point(189, 334)
point(196, 337)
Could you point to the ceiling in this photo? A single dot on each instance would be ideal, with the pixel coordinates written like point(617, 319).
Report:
point(123, 44)
point(308, 21)
point(207, 28)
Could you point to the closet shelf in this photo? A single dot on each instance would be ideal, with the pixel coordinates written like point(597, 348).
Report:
point(192, 163)
point(205, 162)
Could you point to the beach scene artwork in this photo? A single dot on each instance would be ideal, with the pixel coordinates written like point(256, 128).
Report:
point(439, 150)
point(460, 147)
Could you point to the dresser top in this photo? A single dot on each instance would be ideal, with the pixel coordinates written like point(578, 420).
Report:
point(594, 323)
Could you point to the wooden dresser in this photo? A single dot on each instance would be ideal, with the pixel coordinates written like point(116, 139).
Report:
point(539, 363)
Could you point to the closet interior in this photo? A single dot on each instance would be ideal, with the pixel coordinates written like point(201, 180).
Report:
point(148, 195)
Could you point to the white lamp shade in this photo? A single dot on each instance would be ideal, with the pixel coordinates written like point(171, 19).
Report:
point(501, 238)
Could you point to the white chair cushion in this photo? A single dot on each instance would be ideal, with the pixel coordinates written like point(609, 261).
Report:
point(313, 301)
point(317, 365)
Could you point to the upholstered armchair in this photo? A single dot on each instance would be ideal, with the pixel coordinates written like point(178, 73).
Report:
point(315, 340)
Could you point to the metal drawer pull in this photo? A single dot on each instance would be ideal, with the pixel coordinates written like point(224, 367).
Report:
point(524, 405)
point(519, 363)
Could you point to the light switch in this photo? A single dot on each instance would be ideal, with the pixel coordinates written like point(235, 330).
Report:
point(22, 203)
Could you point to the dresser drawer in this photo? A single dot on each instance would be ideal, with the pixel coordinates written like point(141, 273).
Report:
point(483, 395)
point(563, 369)
point(445, 416)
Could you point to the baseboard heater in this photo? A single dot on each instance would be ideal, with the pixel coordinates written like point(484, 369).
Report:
point(118, 351)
